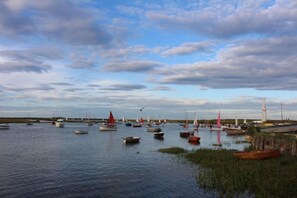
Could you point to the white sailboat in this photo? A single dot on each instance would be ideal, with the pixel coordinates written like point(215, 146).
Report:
point(88, 122)
point(195, 123)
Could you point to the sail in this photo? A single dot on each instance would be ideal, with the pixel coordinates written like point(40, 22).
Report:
point(219, 120)
point(111, 119)
point(195, 123)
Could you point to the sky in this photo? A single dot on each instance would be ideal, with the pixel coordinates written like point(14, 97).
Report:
point(175, 58)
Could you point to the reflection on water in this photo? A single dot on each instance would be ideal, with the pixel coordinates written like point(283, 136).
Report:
point(41, 160)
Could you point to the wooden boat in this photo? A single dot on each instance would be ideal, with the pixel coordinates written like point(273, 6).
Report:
point(110, 126)
point(159, 135)
point(81, 132)
point(186, 134)
point(257, 154)
point(235, 131)
point(194, 139)
point(131, 140)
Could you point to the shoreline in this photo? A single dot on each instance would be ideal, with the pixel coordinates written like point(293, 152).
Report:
point(220, 171)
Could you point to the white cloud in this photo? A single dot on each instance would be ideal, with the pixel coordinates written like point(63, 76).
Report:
point(188, 48)
point(256, 63)
point(131, 66)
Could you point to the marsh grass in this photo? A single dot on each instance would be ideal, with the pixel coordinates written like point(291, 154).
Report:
point(173, 150)
point(220, 171)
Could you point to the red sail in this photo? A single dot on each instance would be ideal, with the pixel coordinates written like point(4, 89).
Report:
point(111, 119)
point(219, 121)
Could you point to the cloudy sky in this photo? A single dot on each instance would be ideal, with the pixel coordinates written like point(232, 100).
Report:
point(72, 58)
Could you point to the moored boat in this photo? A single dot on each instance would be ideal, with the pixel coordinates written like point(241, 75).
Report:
point(60, 123)
point(131, 140)
point(194, 139)
point(159, 135)
point(137, 125)
point(257, 154)
point(128, 124)
point(154, 129)
point(89, 123)
point(110, 126)
point(4, 126)
point(29, 123)
point(186, 134)
point(81, 132)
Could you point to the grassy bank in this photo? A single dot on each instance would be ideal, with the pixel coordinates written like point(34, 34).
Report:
point(220, 171)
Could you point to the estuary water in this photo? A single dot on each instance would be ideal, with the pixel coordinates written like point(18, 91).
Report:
point(44, 161)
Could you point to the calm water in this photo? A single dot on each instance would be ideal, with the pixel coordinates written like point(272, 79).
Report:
point(44, 161)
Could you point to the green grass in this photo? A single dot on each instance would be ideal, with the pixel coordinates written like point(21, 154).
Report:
point(221, 172)
point(173, 150)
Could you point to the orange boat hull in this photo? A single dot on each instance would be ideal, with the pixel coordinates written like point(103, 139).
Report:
point(258, 154)
point(193, 139)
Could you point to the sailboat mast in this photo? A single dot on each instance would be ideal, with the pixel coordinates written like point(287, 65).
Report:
point(281, 111)
point(219, 120)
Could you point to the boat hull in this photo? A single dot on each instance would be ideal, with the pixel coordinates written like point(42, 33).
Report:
point(235, 131)
point(194, 139)
point(81, 132)
point(185, 134)
point(159, 135)
point(258, 154)
point(128, 124)
point(108, 128)
point(60, 125)
point(89, 123)
point(153, 129)
point(4, 126)
point(131, 140)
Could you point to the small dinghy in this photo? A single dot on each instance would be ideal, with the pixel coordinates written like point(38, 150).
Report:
point(257, 154)
point(131, 140)
point(81, 132)
point(159, 135)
